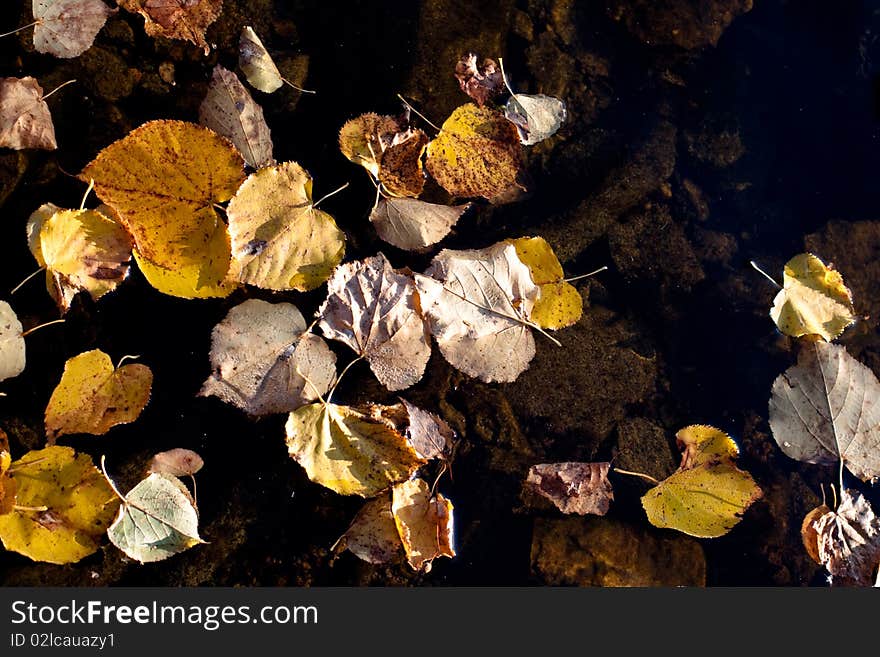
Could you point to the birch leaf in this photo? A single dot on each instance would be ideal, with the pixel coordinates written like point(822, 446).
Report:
point(559, 304)
point(374, 310)
point(430, 435)
point(177, 462)
point(536, 117)
point(263, 361)
point(280, 241)
point(8, 487)
point(412, 225)
point(849, 540)
point(481, 82)
point(12, 349)
point(65, 505)
point(372, 535)
point(25, 121)
point(352, 451)
point(477, 304)
point(255, 62)
point(573, 487)
point(813, 300)
point(67, 28)
point(229, 110)
point(93, 396)
point(176, 19)
point(424, 522)
point(828, 407)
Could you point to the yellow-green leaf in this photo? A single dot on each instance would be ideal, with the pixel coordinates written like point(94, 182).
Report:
point(559, 304)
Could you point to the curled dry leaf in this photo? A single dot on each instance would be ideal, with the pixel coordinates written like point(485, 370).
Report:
point(374, 310)
point(176, 19)
point(424, 523)
point(848, 540)
point(573, 487)
point(280, 241)
point(352, 451)
point(813, 300)
point(93, 396)
point(809, 535)
point(535, 116)
point(373, 535)
point(828, 407)
point(177, 462)
point(67, 28)
point(481, 82)
point(477, 304)
point(413, 225)
point(430, 435)
point(559, 304)
point(255, 62)
point(8, 487)
point(263, 361)
point(229, 110)
point(708, 494)
point(25, 121)
point(64, 506)
point(12, 349)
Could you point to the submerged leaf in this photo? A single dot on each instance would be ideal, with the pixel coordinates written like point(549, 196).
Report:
point(176, 19)
point(424, 523)
point(67, 28)
point(412, 225)
point(255, 62)
point(573, 487)
point(12, 349)
point(483, 82)
point(536, 117)
point(25, 121)
point(373, 535)
point(177, 462)
point(559, 304)
point(849, 540)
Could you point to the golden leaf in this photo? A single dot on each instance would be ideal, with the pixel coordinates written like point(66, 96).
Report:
point(423, 521)
point(559, 304)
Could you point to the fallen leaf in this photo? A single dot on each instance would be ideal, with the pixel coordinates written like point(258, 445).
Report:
point(374, 310)
point(708, 494)
point(157, 519)
point(64, 506)
point(25, 121)
point(229, 110)
point(424, 523)
point(8, 487)
point(255, 62)
point(535, 116)
point(280, 241)
point(93, 396)
point(163, 180)
point(176, 19)
point(352, 451)
point(809, 535)
point(849, 540)
point(264, 361)
point(827, 407)
point(430, 435)
point(482, 83)
point(12, 349)
point(478, 153)
point(813, 300)
point(372, 535)
point(67, 28)
point(177, 462)
point(412, 225)
point(573, 487)
point(559, 304)
point(477, 304)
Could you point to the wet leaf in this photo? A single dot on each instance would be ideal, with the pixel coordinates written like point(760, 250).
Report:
point(280, 241)
point(65, 506)
point(93, 396)
point(12, 349)
point(255, 62)
point(162, 180)
point(708, 494)
point(373, 535)
point(352, 451)
point(67, 28)
point(809, 535)
point(478, 153)
point(849, 540)
point(430, 435)
point(229, 110)
point(8, 487)
point(535, 116)
point(573, 487)
point(411, 224)
point(813, 300)
point(177, 462)
point(374, 310)
point(828, 405)
point(25, 121)
point(263, 361)
point(424, 523)
point(157, 519)
point(481, 82)
point(176, 19)
point(477, 304)
point(559, 304)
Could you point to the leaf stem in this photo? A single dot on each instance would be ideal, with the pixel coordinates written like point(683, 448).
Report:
point(109, 480)
point(41, 326)
point(592, 273)
point(88, 191)
point(638, 474)
point(125, 358)
point(326, 196)
point(20, 507)
point(766, 275)
point(342, 374)
point(299, 89)
point(60, 86)
point(418, 113)
point(30, 276)
point(19, 29)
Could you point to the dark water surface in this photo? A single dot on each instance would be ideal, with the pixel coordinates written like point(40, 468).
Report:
point(681, 162)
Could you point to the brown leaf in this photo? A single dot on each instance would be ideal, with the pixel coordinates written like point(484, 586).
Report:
point(483, 82)
point(25, 121)
point(809, 535)
point(373, 535)
point(400, 171)
point(177, 462)
point(849, 540)
point(428, 434)
point(67, 28)
point(176, 19)
point(573, 487)
point(423, 522)
point(412, 225)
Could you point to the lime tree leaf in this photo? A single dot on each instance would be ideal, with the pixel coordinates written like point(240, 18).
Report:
point(255, 62)
point(424, 522)
point(64, 506)
point(373, 535)
point(67, 28)
point(848, 540)
point(573, 487)
point(828, 407)
point(12, 349)
point(176, 19)
point(413, 225)
point(25, 121)
point(177, 462)
point(559, 304)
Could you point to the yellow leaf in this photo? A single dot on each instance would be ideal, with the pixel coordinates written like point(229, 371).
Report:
point(280, 241)
point(349, 450)
point(64, 506)
point(93, 396)
point(8, 486)
point(163, 180)
point(708, 494)
point(423, 521)
point(813, 300)
point(559, 304)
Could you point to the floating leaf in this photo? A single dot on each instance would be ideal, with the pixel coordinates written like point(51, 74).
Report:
point(67, 28)
point(64, 506)
point(477, 304)
point(536, 117)
point(478, 153)
point(177, 462)
point(93, 396)
point(8, 487)
point(573, 487)
point(429, 434)
point(255, 62)
point(176, 19)
point(12, 349)
point(229, 110)
point(25, 121)
point(411, 224)
point(263, 361)
point(350, 450)
point(157, 519)
point(708, 494)
point(280, 241)
point(482, 83)
point(373, 535)
point(813, 300)
point(424, 523)
point(559, 304)
point(809, 535)
point(374, 310)
point(163, 180)
point(848, 541)
point(828, 407)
